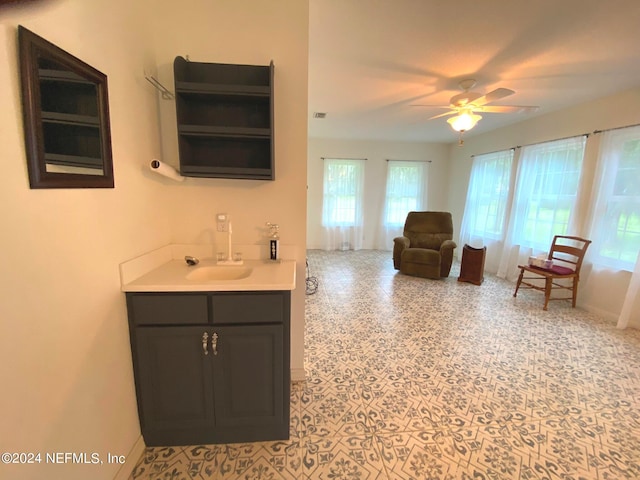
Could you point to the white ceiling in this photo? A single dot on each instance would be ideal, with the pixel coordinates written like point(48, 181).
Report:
point(370, 59)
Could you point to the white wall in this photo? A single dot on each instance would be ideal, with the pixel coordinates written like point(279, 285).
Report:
point(377, 153)
point(601, 290)
point(65, 362)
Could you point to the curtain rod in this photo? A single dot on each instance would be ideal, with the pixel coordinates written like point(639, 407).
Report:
point(595, 132)
point(341, 158)
point(586, 135)
point(616, 128)
point(418, 161)
point(495, 151)
point(535, 143)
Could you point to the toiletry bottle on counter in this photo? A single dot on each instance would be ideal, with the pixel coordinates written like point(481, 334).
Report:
point(274, 241)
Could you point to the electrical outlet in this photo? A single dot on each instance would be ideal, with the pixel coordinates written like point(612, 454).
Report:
point(222, 222)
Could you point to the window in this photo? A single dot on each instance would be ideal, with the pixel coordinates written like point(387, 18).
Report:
point(488, 196)
point(546, 192)
point(616, 229)
point(405, 190)
point(342, 192)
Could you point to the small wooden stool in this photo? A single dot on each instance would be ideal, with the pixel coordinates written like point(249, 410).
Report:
point(472, 265)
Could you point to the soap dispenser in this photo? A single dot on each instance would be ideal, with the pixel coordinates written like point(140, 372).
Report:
point(274, 241)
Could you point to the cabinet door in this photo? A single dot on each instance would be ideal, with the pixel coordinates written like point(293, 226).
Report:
point(173, 379)
point(249, 383)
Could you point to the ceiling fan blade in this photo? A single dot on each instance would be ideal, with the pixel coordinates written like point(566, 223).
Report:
point(496, 94)
point(442, 115)
point(508, 108)
point(429, 106)
point(464, 98)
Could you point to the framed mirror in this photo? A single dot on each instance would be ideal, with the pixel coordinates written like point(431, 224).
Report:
point(66, 117)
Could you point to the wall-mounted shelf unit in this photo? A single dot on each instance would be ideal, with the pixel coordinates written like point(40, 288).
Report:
point(70, 118)
point(225, 119)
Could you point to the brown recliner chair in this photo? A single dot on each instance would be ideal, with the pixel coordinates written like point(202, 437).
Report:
point(426, 247)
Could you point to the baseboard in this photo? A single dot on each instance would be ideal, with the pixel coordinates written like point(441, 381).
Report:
point(608, 316)
point(298, 375)
point(131, 460)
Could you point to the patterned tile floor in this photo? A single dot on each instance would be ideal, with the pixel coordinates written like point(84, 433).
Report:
point(410, 378)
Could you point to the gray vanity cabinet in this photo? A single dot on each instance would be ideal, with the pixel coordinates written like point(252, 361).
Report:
point(211, 367)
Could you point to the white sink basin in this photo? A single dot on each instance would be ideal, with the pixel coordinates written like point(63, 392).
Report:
point(218, 272)
point(158, 272)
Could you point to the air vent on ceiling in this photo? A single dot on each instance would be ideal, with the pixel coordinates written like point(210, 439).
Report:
point(319, 114)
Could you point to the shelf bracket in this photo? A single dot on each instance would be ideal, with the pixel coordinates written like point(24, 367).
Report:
point(166, 93)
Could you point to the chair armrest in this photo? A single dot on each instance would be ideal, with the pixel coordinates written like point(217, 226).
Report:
point(448, 245)
point(401, 241)
point(446, 257)
point(399, 244)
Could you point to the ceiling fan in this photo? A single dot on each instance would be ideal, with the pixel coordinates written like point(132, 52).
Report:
point(466, 106)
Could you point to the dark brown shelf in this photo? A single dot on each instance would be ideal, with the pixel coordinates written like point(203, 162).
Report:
point(47, 74)
point(232, 132)
point(186, 88)
point(71, 140)
point(225, 119)
point(71, 119)
point(73, 160)
point(226, 172)
point(226, 157)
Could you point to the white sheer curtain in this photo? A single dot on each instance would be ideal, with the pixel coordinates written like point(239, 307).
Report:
point(633, 290)
point(615, 225)
point(486, 208)
point(615, 229)
point(544, 200)
point(405, 192)
point(343, 186)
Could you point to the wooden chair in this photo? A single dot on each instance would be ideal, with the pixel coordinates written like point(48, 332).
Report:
point(567, 254)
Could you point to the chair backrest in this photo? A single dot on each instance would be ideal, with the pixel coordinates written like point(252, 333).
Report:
point(428, 229)
point(568, 251)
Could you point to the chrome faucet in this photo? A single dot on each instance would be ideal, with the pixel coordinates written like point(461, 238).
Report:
point(230, 260)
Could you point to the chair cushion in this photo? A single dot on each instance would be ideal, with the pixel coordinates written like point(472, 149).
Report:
point(428, 229)
point(421, 255)
point(432, 241)
point(555, 269)
point(559, 270)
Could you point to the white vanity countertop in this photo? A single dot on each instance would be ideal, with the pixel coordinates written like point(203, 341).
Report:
point(160, 271)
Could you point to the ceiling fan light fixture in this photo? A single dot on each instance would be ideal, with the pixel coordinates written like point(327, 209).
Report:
point(464, 121)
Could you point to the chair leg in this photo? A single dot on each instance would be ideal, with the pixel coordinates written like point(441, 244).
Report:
point(574, 291)
point(547, 291)
point(519, 282)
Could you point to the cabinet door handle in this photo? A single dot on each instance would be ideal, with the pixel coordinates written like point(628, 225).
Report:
point(214, 343)
point(205, 339)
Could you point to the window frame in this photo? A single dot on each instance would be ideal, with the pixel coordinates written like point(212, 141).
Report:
point(500, 203)
point(331, 216)
point(413, 202)
point(535, 195)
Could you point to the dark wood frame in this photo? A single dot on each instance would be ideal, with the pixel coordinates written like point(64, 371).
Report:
point(32, 48)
